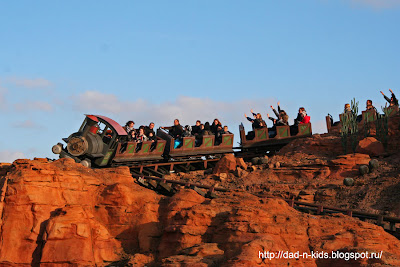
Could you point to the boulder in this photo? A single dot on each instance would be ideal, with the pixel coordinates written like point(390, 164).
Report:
point(373, 164)
point(255, 160)
point(364, 169)
point(225, 165)
point(348, 181)
point(370, 146)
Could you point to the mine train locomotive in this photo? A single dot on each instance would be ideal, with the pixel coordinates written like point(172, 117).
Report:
point(94, 142)
point(102, 142)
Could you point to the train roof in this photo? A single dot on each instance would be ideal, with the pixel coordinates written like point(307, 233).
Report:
point(115, 125)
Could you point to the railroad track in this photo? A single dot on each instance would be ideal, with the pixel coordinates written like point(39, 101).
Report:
point(169, 187)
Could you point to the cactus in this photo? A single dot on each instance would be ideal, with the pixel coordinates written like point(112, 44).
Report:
point(354, 124)
point(367, 128)
point(350, 127)
point(382, 127)
point(344, 133)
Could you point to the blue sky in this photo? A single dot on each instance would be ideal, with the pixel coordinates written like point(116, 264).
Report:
point(160, 60)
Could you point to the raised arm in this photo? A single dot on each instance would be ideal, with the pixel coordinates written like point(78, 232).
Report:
point(387, 98)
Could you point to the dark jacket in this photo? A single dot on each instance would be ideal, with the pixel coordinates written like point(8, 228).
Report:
point(147, 130)
point(175, 131)
point(256, 123)
point(196, 130)
point(298, 119)
point(214, 127)
point(395, 101)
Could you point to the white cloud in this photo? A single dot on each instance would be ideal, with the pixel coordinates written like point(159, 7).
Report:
point(27, 124)
point(93, 100)
point(186, 109)
point(33, 106)
point(10, 156)
point(31, 83)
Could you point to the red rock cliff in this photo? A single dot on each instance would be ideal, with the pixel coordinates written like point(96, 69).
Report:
point(63, 213)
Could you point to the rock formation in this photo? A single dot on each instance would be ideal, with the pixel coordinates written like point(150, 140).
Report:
point(61, 213)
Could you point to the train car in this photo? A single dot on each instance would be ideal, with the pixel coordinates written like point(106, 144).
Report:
point(102, 142)
point(189, 148)
point(366, 116)
point(262, 141)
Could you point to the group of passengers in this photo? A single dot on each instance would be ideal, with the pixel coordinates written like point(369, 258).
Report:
point(140, 135)
point(393, 102)
point(282, 119)
point(370, 107)
point(177, 131)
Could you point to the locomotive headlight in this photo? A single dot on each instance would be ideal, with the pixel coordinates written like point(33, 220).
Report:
point(56, 149)
point(77, 146)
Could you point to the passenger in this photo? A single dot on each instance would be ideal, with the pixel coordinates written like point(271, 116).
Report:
point(152, 137)
point(196, 128)
point(257, 122)
point(199, 136)
point(347, 109)
point(129, 126)
point(370, 106)
point(226, 130)
point(149, 129)
point(153, 140)
point(132, 136)
point(214, 126)
point(278, 113)
point(141, 137)
point(207, 129)
point(392, 100)
point(284, 121)
point(218, 135)
point(176, 130)
point(187, 131)
point(302, 117)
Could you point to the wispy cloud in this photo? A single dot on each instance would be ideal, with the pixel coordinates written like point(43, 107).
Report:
point(27, 124)
point(37, 83)
point(10, 156)
point(187, 109)
point(33, 106)
point(94, 100)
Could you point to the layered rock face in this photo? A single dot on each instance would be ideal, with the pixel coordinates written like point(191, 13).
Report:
point(61, 213)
